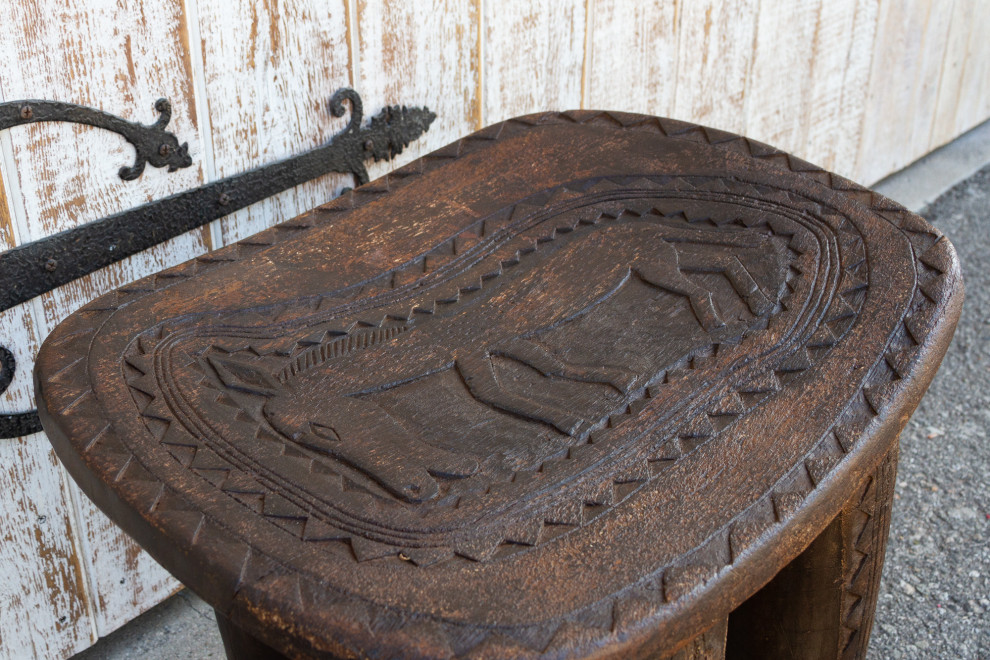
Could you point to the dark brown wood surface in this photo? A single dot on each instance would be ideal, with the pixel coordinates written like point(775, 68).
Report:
point(579, 383)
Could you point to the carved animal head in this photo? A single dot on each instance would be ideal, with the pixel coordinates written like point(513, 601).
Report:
point(351, 430)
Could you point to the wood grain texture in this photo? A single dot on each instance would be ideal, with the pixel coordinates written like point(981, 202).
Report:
point(840, 71)
point(963, 99)
point(67, 174)
point(422, 54)
point(518, 402)
point(43, 607)
point(124, 580)
point(801, 613)
point(778, 99)
point(63, 175)
point(634, 55)
point(862, 87)
point(269, 70)
point(17, 327)
point(910, 43)
point(715, 54)
point(533, 56)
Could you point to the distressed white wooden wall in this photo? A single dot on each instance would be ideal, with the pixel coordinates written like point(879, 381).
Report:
point(862, 87)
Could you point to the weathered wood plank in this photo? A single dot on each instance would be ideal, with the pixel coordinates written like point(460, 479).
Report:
point(840, 72)
point(963, 93)
point(533, 57)
point(778, 101)
point(17, 328)
point(118, 58)
point(43, 609)
point(715, 53)
point(633, 56)
point(424, 54)
point(268, 71)
point(802, 76)
point(67, 174)
point(907, 61)
point(124, 580)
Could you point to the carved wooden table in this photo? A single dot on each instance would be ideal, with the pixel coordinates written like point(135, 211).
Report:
point(578, 384)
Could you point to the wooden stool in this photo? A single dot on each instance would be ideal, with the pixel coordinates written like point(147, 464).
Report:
point(580, 384)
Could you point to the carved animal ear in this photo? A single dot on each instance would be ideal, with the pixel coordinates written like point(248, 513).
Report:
point(245, 377)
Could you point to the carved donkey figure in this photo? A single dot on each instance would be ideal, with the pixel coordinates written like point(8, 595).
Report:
point(323, 405)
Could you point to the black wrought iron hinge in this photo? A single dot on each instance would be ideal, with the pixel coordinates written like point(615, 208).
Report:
point(35, 268)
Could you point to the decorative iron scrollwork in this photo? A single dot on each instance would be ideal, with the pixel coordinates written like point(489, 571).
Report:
point(36, 268)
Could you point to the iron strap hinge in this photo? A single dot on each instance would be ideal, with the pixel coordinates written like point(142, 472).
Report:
point(36, 268)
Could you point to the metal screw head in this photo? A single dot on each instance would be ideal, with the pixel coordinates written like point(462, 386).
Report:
point(369, 145)
point(224, 199)
point(27, 112)
point(164, 150)
point(51, 265)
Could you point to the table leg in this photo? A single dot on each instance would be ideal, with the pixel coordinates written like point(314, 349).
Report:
point(240, 645)
point(821, 605)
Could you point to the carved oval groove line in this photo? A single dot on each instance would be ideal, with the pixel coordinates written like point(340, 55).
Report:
point(533, 409)
point(755, 291)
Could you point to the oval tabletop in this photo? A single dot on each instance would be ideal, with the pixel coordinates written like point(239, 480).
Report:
point(578, 382)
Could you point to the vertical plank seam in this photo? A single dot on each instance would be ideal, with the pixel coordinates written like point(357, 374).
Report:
point(482, 64)
point(5, 192)
point(18, 232)
point(354, 68)
point(869, 85)
point(589, 25)
point(80, 545)
point(805, 112)
point(847, 65)
point(678, 16)
point(12, 183)
point(748, 86)
point(941, 69)
point(202, 104)
point(941, 77)
point(960, 126)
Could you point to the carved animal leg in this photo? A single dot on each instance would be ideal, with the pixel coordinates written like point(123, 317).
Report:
point(667, 275)
point(820, 606)
point(361, 434)
point(738, 276)
point(538, 357)
point(479, 376)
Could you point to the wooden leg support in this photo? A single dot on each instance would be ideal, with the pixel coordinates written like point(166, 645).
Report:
point(709, 645)
point(821, 605)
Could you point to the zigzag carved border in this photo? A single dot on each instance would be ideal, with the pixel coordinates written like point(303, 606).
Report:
point(613, 618)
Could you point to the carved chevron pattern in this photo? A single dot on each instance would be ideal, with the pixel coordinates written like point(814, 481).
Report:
point(110, 456)
point(865, 534)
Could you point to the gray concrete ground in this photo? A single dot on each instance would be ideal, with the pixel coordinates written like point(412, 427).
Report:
point(917, 185)
point(181, 628)
point(935, 594)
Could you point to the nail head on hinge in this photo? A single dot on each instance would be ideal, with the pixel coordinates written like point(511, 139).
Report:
point(27, 112)
point(369, 145)
point(224, 199)
point(51, 265)
point(164, 150)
